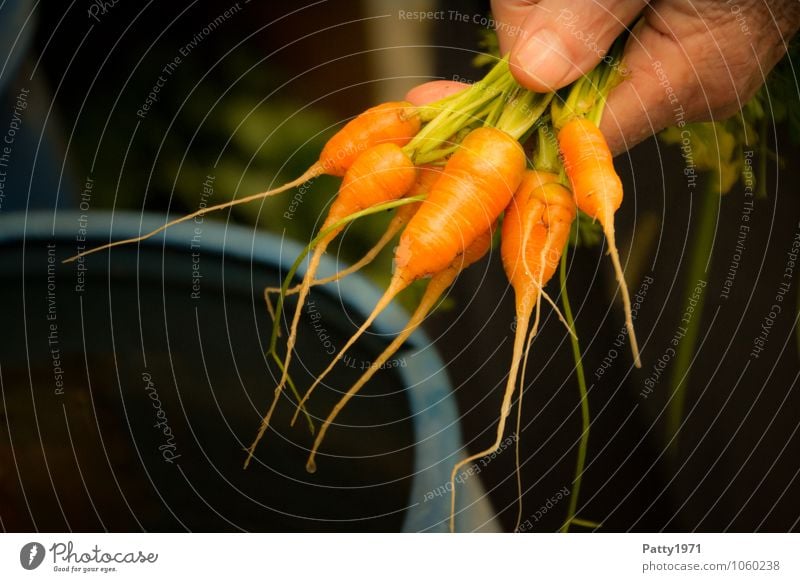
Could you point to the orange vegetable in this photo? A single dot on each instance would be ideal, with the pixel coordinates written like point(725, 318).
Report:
point(535, 230)
point(477, 184)
point(598, 192)
point(392, 122)
point(478, 181)
point(426, 177)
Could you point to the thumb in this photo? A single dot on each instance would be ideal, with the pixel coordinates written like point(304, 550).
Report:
point(558, 41)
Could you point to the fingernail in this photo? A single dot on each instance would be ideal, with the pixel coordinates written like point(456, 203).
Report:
point(544, 58)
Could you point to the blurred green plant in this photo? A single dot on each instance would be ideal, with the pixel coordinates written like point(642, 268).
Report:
point(718, 151)
point(490, 48)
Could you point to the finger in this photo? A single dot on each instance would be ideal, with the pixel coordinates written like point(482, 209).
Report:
point(652, 93)
point(559, 41)
point(510, 14)
point(686, 65)
point(433, 91)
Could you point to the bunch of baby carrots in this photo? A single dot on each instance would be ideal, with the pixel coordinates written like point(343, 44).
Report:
point(456, 171)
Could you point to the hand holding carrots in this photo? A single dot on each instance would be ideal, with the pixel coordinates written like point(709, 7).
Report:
point(706, 56)
point(455, 162)
point(714, 55)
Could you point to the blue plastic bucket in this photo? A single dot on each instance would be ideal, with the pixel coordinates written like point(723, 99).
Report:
point(133, 381)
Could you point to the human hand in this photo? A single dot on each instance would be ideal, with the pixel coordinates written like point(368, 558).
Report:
point(687, 60)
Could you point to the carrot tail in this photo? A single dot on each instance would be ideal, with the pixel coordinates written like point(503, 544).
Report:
point(395, 287)
point(626, 299)
point(523, 318)
point(312, 172)
point(557, 311)
point(539, 293)
point(290, 343)
point(517, 463)
point(391, 292)
point(319, 244)
point(391, 231)
point(543, 294)
point(262, 429)
point(432, 294)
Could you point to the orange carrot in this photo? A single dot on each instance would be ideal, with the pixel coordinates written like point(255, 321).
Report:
point(381, 174)
point(535, 229)
point(598, 192)
point(478, 181)
point(394, 122)
point(436, 287)
point(426, 177)
point(474, 186)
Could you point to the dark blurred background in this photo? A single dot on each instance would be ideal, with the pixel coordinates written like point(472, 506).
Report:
point(251, 103)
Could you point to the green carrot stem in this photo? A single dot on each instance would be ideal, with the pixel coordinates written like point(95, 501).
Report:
point(587, 96)
point(521, 115)
point(465, 102)
point(699, 261)
point(584, 394)
point(436, 155)
point(429, 111)
point(489, 110)
point(452, 121)
point(586, 523)
point(545, 156)
point(496, 109)
point(497, 100)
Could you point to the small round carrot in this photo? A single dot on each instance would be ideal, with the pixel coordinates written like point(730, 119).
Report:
point(535, 230)
point(394, 122)
point(381, 174)
point(598, 192)
point(436, 287)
